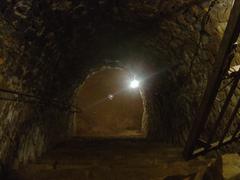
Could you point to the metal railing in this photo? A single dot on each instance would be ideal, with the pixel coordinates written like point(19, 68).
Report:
point(196, 144)
point(21, 97)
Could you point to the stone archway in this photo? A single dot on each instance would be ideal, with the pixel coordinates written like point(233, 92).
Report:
point(108, 107)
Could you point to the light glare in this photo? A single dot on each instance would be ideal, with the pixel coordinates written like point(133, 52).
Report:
point(134, 84)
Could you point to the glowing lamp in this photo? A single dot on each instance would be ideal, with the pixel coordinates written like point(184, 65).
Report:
point(134, 84)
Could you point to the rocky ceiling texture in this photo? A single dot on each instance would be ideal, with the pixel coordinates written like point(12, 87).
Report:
point(48, 47)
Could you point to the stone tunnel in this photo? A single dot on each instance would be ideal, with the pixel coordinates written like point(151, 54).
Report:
point(50, 49)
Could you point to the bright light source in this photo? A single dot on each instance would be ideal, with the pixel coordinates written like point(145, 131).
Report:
point(110, 97)
point(134, 84)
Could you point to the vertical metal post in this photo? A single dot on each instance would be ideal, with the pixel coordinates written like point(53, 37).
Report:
point(223, 110)
point(236, 131)
point(233, 115)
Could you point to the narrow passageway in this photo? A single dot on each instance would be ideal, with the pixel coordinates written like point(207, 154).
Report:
point(119, 89)
point(109, 106)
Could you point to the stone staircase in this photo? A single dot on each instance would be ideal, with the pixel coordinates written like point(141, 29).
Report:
point(120, 159)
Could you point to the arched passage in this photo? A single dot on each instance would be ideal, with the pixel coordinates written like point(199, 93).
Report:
point(109, 106)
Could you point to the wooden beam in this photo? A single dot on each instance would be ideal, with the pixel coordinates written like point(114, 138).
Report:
point(230, 37)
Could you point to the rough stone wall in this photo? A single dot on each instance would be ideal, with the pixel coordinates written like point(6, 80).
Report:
point(26, 127)
point(48, 48)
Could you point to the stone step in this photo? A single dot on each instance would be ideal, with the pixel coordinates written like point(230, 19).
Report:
point(119, 151)
point(111, 143)
point(231, 170)
point(107, 159)
point(110, 155)
point(99, 171)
